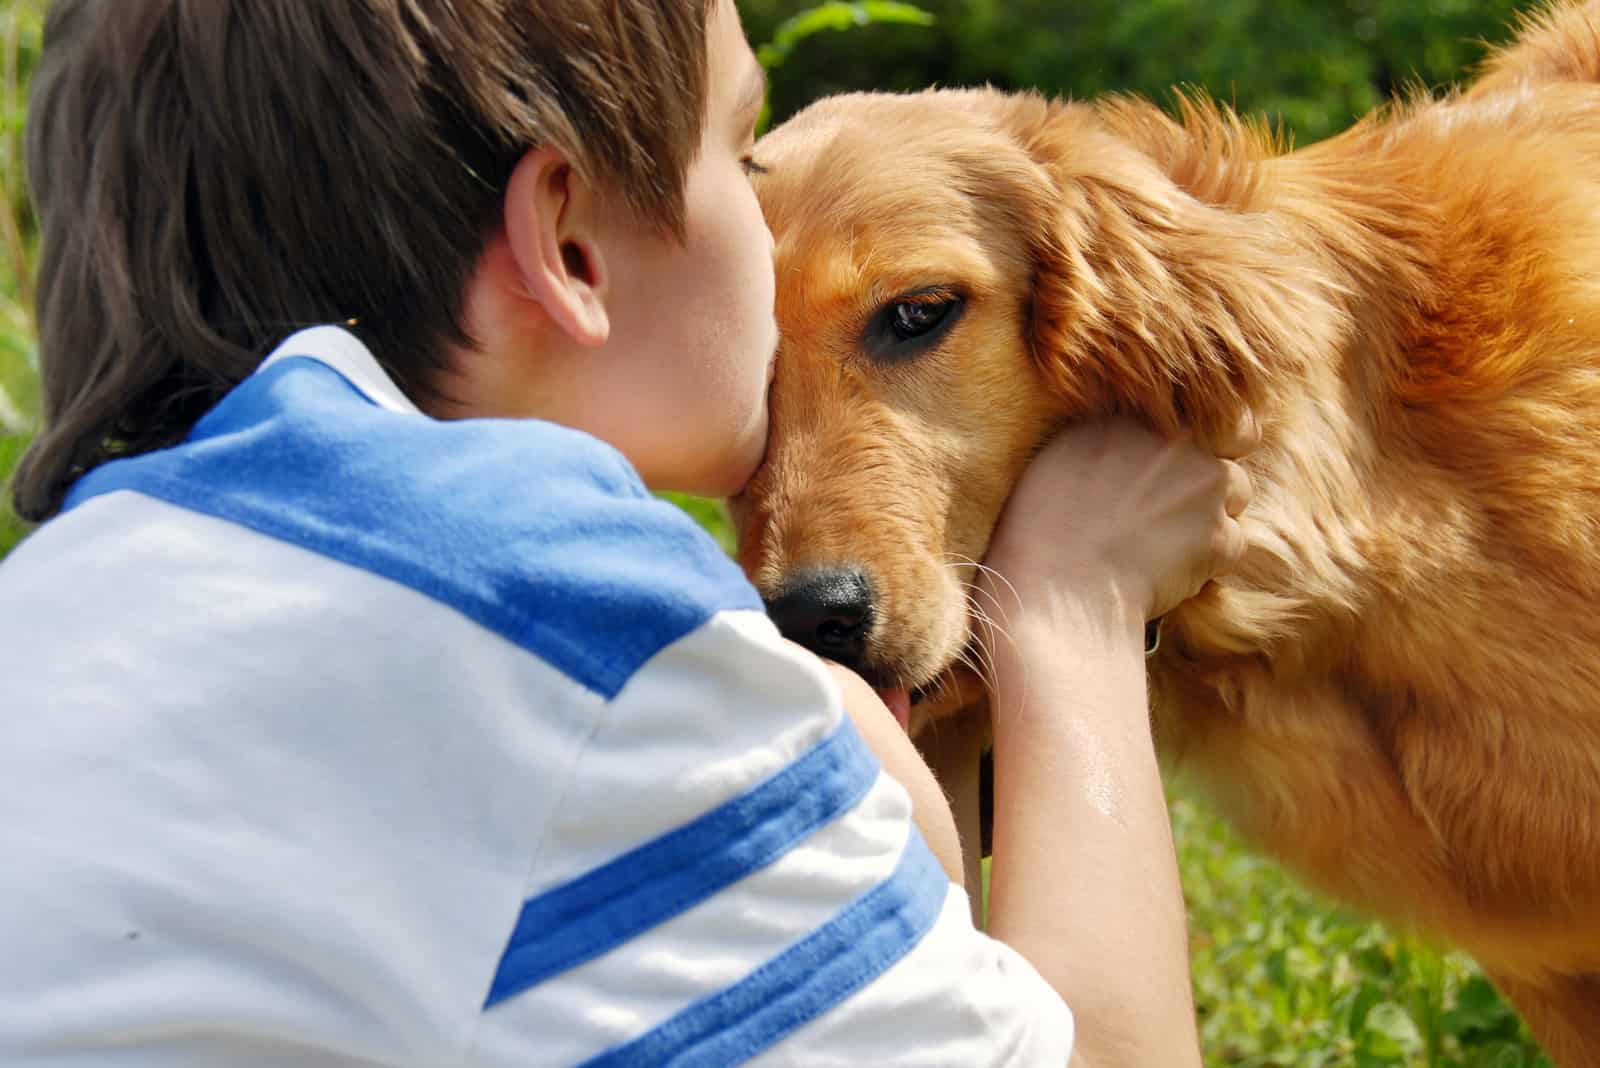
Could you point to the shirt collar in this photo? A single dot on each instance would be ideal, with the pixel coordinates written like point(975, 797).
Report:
point(345, 353)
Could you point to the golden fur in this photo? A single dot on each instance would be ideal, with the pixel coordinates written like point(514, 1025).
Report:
point(1399, 692)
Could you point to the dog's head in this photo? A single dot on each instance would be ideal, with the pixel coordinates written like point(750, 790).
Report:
point(958, 274)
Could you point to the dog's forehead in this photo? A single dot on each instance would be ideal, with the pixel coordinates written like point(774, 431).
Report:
point(864, 203)
point(868, 159)
point(837, 272)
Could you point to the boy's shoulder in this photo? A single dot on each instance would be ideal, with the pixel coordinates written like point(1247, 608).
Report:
point(541, 533)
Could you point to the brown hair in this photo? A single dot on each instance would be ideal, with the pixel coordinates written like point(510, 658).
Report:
point(213, 174)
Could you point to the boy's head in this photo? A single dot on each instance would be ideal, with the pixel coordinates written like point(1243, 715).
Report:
point(214, 174)
point(661, 347)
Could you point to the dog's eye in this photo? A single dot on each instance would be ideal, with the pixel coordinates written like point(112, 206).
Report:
point(913, 318)
point(911, 324)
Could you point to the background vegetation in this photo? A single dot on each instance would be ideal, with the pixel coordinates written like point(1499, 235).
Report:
point(1314, 65)
point(19, 46)
point(1281, 977)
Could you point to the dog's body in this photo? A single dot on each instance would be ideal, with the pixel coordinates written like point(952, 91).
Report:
point(1399, 692)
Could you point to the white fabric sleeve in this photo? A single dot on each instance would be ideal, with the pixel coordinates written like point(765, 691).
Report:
point(295, 814)
point(848, 946)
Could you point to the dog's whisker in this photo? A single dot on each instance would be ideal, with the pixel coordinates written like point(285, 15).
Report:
point(1016, 597)
point(978, 668)
point(986, 669)
point(961, 560)
point(977, 648)
point(989, 623)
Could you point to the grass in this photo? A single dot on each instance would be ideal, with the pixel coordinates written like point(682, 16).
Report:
point(19, 399)
point(20, 26)
point(1283, 977)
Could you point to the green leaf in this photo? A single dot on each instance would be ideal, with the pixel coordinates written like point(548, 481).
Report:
point(1390, 1032)
point(836, 15)
point(12, 529)
point(712, 515)
point(1278, 967)
point(1479, 1012)
point(1364, 1059)
point(19, 380)
point(1499, 1055)
point(1367, 997)
point(1376, 960)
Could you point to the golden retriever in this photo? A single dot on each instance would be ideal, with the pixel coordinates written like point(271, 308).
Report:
point(1399, 692)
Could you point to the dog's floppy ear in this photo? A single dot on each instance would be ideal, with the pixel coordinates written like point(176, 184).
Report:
point(1157, 290)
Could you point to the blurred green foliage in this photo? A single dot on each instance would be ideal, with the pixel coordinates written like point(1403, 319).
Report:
point(1285, 978)
point(1312, 65)
point(712, 516)
point(836, 15)
point(787, 35)
point(20, 24)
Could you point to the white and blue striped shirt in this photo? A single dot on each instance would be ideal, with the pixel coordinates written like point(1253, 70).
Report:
point(340, 736)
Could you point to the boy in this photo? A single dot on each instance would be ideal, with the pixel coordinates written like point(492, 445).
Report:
point(375, 713)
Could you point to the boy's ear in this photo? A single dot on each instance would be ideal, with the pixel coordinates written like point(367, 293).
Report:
point(551, 225)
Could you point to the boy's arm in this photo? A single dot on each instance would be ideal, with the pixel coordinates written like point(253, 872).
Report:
point(930, 808)
point(1085, 879)
point(940, 773)
point(1110, 526)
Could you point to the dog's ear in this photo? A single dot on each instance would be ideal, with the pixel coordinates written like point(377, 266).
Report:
point(1158, 289)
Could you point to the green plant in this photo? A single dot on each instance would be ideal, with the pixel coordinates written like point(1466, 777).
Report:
point(1311, 66)
point(710, 514)
point(1283, 977)
point(21, 23)
point(835, 15)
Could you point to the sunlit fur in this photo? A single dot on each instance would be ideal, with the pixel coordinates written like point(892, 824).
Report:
point(1399, 692)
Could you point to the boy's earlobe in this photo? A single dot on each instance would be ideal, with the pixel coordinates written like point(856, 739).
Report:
point(553, 241)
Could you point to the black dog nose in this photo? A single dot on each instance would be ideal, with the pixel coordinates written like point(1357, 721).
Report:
point(827, 610)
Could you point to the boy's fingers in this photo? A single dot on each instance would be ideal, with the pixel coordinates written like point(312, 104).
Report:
point(1227, 546)
point(1242, 439)
point(1236, 495)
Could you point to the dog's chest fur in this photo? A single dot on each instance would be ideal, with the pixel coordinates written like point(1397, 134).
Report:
point(1403, 677)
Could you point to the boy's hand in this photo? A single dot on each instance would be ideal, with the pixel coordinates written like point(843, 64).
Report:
point(1111, 517)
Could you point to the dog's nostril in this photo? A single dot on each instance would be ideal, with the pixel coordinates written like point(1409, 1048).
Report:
point(827, 610)
point(833, 634)
point(842, 641)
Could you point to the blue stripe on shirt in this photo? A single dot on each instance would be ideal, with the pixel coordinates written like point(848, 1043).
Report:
point(580, 920)
point(800, 984)
point(540, 533)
